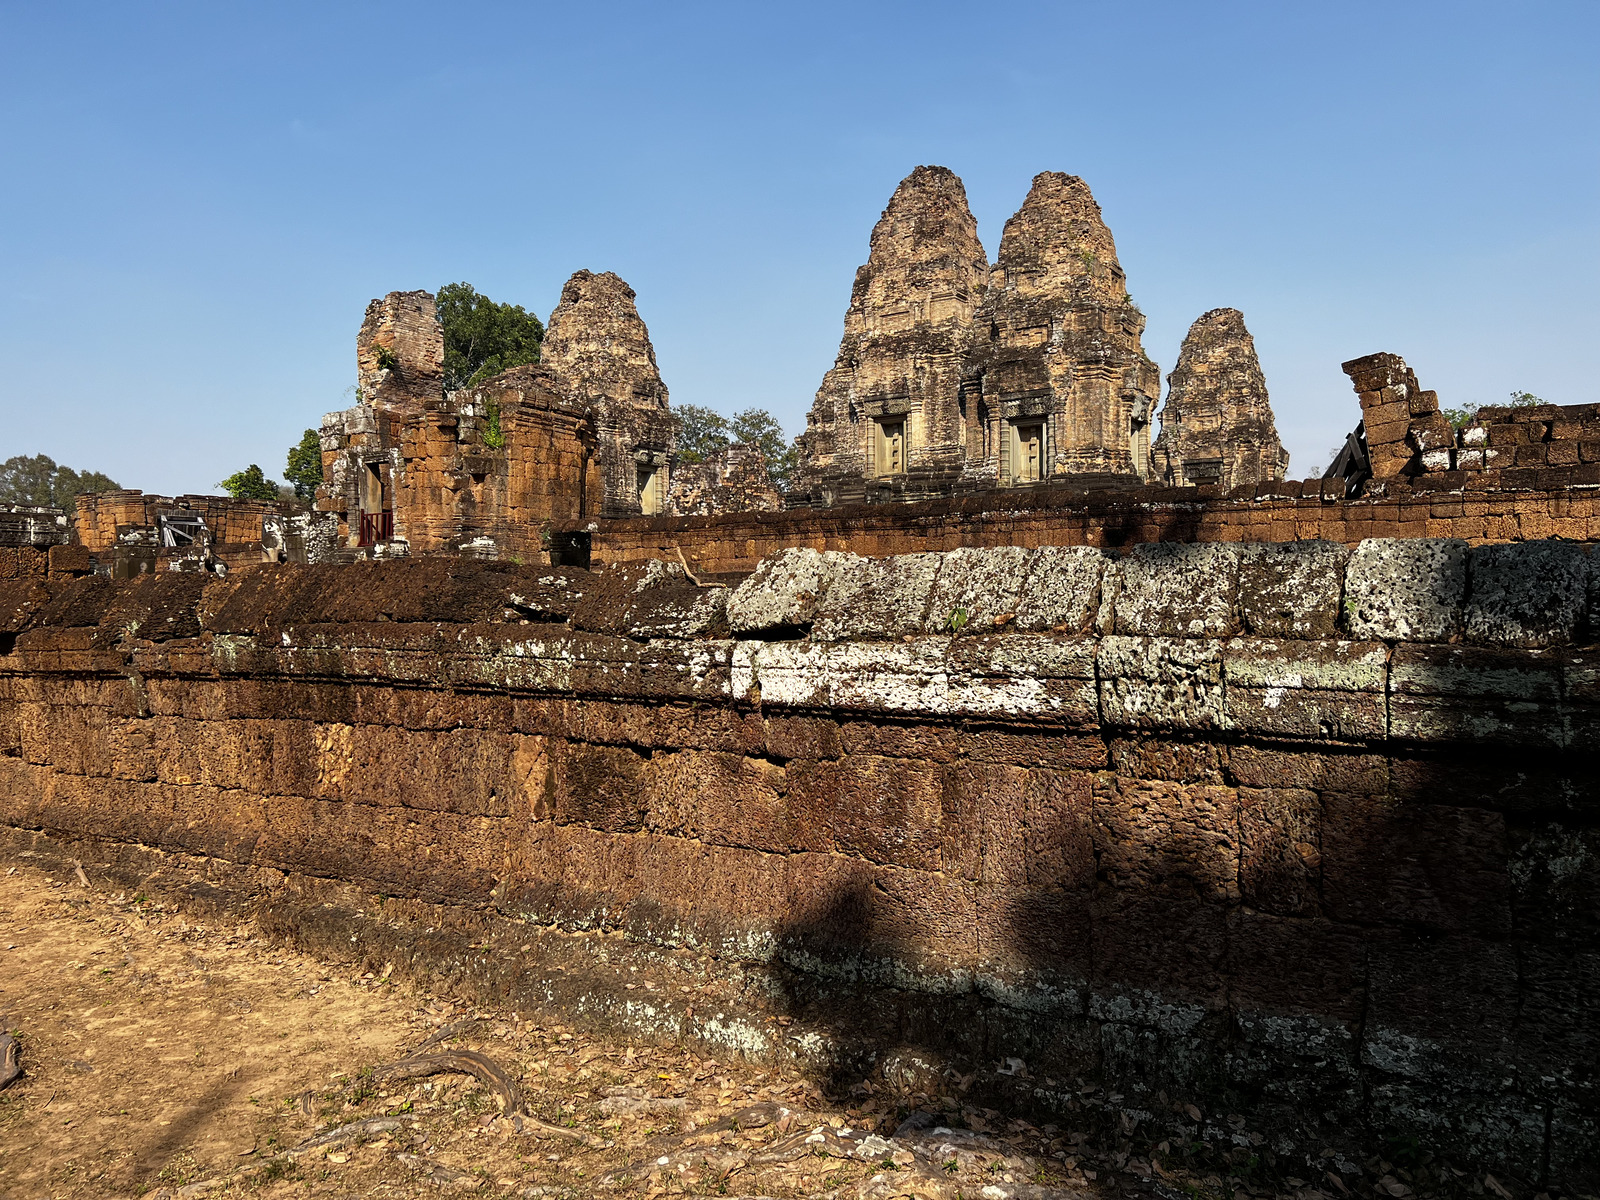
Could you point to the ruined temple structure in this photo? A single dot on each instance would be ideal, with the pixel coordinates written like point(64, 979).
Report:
point(1216, 425)
point(734, 479)
point(1053, 374)
point(598, 351)
point(400, 375)
point(953, 376)
point(486, 469)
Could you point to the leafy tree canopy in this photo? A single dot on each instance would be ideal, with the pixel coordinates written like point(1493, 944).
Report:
point(39, 481)
point(761, 427)
point(250, 484)
point(706, 431)
point(483, 338)
point(304, 470)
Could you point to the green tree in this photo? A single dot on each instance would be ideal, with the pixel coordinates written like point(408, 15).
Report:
point(39, 481)
point(761, 427)
point(250, 484)
point(304, 470)
point(483, 338)
point(704, 431)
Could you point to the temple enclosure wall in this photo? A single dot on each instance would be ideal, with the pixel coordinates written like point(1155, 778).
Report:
point(1302, 831)
point(1477, 506)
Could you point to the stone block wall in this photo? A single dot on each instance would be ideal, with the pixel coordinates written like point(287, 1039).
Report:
point(1306, 831)
point(1502, 506)
point(106, 519)
point(487, 471)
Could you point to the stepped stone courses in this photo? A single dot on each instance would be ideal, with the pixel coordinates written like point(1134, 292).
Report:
point(1216, 424)
point(1304, 878)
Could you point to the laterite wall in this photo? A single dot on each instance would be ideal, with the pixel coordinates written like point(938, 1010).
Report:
point(1305, 831)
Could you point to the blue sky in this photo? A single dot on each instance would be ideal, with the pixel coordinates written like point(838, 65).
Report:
point(198, 200)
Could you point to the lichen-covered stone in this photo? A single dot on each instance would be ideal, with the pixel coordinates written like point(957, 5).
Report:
point(1311, 689)
point(1156, 681)
point(1178, 590)
point(1477, 694)
point(1406, 589)
point(1216, 425)
point(1061, 588)
point(1292, 589)
point(1527, 593)
point(875, 598)
point(785, 590)
point(977, 590)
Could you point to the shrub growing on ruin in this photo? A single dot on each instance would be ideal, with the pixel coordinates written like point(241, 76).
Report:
point(250, 484)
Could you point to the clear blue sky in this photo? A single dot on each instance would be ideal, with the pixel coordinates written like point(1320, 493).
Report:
point(199, 199)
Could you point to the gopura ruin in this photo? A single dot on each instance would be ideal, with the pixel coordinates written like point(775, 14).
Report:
point(1088, 761)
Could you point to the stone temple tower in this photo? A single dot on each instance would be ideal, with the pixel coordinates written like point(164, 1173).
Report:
point(1055, 382)
point(1216, 425)
point(598, 351)
point(886, 416)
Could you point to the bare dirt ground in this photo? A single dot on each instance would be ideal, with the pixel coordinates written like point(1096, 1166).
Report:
point(169, 1059)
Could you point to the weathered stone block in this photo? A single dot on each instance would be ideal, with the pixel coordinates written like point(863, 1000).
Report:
point(1061, 589)
point(1178, 590)
point(785, 590)
point(976, 588)
point(1465, 693)
point(1406, 589)
point(876, 598)
point(1325, 689)
point(1061, 671)
point(1155, 681)
point(1292, 589)
point(1527, 593)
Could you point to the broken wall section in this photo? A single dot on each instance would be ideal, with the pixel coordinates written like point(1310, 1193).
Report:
point(734, 479)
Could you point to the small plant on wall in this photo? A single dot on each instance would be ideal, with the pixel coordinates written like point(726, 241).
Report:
point(493, 436)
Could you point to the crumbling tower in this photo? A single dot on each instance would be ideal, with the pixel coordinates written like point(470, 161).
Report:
point(1055, 381)
point(885, 419)
point(598, 352)
point(400, 373)
point(1216, 425)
